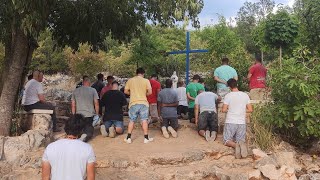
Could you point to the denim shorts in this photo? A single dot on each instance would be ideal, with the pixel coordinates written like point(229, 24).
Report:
point(138, 110)
point(117, 124)
point(234, 132)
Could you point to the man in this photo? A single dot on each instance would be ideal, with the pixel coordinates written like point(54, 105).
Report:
point(182, 109)
point(257, 77)
point(192, 92)
point(98, 85)
point(85, 101)
point(113, 101)
point(108, 87)
point(167, 107)
point(222, 74)
point(69, 158)
point(207, 122)
point(33, 97)
point(138, 88)
point(152, 99)
point(236, 104)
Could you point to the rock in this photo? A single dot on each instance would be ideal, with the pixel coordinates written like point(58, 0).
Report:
point(1, 146)
point(258, 154)
point(313, 168)
point(37, 122)
point(15, 147)
point(270, 171)
point(288, 159)
point(265, 161)
point(315, 148)
point(284, 146)
point(306, 160)
point(254, 175)
point(310, 177)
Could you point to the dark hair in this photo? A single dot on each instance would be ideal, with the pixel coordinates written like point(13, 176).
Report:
point(196, 77)
point(115, 82)
point(258, 58)
point(232, 83)
point(180, 84)
point(110, 78)
point(168, 83)
point(201, 80)
point(140, 71)
point(225, 60)
point(100, 76)
point(30, 77)
point(85, 78)
point(154, 76)
point(74, 125)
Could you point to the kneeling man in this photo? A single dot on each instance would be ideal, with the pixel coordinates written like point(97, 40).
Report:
point(236, 104)
point(207, 122)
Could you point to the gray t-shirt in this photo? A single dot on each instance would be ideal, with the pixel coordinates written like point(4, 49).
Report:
point(30, 95)
point(84, 97)
point(168, 96)
point(207, 101)
point(68, 159)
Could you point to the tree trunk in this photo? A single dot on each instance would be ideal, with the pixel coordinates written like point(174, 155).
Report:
point(20, 50)
point(262, 56)
point(280, 59)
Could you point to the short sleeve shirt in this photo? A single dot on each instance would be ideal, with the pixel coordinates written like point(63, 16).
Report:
point(224, 73)
point(113, 101)
point(68, 159)
point(168, 96)
point(32, 89)
point(258, 77)
point(155, 85)
point(84, 97)
point(193, 89)
point(138, 87)
point(237, 107)
point(207, 101)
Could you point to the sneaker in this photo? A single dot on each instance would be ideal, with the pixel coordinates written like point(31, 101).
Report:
point(148, 140)
point(83, 137)
point(238, 151)
point(165, 132)
point(112, 132)
point(103, 131)
point(173, 132)
point(129, 141)
point(213, 135)
point(207, 135)
point(243, 149)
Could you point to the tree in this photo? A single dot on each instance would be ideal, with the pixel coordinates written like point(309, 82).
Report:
point(280, 31)
point(71, 23)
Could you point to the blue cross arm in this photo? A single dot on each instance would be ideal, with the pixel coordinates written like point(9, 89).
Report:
point(177, 52)
point(199, 51)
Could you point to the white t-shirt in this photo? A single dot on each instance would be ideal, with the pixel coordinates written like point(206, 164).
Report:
point(30, 95)
point(207, 101)
point(182, 96)
point(237, 102)
point(68, 159)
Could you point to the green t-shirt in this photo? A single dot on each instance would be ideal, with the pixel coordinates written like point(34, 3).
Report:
point(193, 89)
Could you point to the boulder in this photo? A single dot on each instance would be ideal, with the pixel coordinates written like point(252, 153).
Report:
point(254, 174)
point(270, 171)
point(315, 176)
point(265, 161)
point(288, 159)
point(37, 122)
point(258, 154)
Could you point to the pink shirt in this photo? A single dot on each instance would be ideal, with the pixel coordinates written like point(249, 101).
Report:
point(105, 89)
point(258, 78)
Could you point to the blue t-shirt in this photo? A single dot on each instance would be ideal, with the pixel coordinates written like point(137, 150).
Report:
point(224, 73)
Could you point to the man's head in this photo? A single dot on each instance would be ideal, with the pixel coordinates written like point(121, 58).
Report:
point(110, 79)
point(35, 75)
point(115, 85)
point(168, 83)
point(30, 77)
point(140, 71)
point(200, 91)
point(154, 76)
point(100, 77)
point(196, 78)
point(40, 77)
point(232, 83)
point(86, 81)
point(201, 81)
point(258, 59)
point(225, 61)
point(74, 125)
point(180, 84)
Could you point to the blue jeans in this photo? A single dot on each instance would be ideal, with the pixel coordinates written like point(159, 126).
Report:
point(117, 124)
point(139, 110)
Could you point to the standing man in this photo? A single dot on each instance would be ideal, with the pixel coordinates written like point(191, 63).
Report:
point(108, 87)
point(85, 101)
point(33, 97)
point(113, 101)
point(257, 77)
point(98, 85)
point(222, 74)
point(152, 99)
point(182, 109)
point(138, 88)
point(236, 104)
point(192, 92)
point(207, 122)
point(69, 158)
point(167, 107)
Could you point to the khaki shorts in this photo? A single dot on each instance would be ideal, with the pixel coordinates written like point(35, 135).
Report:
point(258, 94)
point(153, 109)
point(223, 92)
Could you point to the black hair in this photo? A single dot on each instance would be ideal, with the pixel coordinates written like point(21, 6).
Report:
point(30, 77)
point(225, 60)
point(85, 78)
point(140, 71)
point(74, 125)
point(258, 58)
point(154, 76)
point(201, 80)
point(110, 78)
point(232, 83)
point(168, 83)
point(180, 84)
point(100, 76)
point(196, 77)
point(115, 82)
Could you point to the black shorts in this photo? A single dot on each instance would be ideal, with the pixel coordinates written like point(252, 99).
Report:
point(173, 122)
point(182, 109)
point(208, 121)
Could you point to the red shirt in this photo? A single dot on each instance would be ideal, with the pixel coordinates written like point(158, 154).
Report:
point(155, 87)
point(105, 89)
point(258, 78)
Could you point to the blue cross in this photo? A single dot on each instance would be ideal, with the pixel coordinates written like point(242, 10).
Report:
point(187, 52)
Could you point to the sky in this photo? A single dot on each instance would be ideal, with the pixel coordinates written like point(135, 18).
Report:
point(227, 8)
